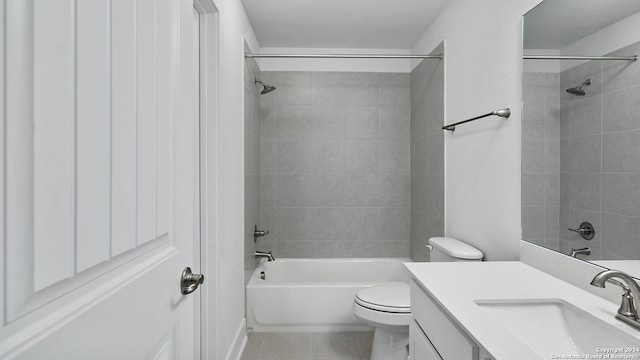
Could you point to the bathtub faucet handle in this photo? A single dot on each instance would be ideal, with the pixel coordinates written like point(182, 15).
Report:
point(258, 233)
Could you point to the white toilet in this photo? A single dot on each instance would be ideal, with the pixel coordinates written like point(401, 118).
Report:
point(386, 307)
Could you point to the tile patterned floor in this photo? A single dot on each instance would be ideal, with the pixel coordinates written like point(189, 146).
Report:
point(299, 346)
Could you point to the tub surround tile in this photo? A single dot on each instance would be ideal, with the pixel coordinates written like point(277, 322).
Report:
point(361, 156)
point(533, 122)
point(533, 89)
point(293, 156)
point(325, 224)
point(589, 70)
point(360, 95)
point(621, 194)
point(585, 190)
point(254, 149)
point(360, 224)
point(394, 95)
point(394, 122)
point(361, 122)
point(394, 190)
point(552, 115)
point(622, 109)
point(327, 122)
point(327, 190)
point(394, 223)
point(327, 156)
point(334, 150)
point(293, 189)
point(294, 122)
point(616, 230)
point(533, 222)
point(394, 156)
point(622, 74)
point(533, 155)
point(621, 151)
point(596, 156)
point(360, 190)
point(426, 200)
point(376, 248)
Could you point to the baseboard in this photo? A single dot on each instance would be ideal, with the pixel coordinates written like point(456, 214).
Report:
point(239, 342)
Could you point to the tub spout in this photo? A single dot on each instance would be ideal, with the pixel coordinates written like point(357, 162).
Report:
point(264, 254)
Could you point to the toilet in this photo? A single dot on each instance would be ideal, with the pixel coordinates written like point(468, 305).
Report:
point(387, 309)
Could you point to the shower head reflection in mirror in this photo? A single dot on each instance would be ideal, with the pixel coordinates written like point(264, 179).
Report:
point(577, 90)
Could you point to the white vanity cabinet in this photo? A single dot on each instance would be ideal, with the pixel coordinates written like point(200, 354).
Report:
point(434, 335)
point(420, 348)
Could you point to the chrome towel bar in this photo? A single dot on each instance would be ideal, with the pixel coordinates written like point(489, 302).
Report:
point(343, 56)
point(571, 57)
point(505, 113)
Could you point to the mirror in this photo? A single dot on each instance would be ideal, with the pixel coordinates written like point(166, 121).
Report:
point(581, 130)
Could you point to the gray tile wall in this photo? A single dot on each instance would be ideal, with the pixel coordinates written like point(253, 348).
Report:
point(251, 162)
point(541, 159)
point(427, 154)
point(335, 164)
point(600, 157)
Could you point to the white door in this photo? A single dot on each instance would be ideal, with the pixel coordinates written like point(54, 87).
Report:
point(99, 160)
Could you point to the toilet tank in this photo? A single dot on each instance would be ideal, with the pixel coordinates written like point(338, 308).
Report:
point(450, 249)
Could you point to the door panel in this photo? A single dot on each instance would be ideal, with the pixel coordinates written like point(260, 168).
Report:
point(53, 143)
point(101, 172)
point(123, 127)
point(92, 153)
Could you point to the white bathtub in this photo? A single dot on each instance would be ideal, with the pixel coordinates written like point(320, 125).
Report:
point(314, 295)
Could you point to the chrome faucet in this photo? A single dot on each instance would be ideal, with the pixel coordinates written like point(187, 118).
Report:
point(581, 251)
point(264, 254)
point(627, 312)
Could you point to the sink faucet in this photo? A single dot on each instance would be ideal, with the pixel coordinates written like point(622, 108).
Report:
point(264, 254)
point(627, 312)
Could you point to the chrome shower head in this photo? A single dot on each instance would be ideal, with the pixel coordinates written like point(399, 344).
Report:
point(578, 89)
point(265, 88)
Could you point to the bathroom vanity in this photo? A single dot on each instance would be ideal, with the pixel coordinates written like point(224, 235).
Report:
point(509, 310)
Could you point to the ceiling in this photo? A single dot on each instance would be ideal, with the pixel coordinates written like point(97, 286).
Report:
point(555, 24)
point(372, 24)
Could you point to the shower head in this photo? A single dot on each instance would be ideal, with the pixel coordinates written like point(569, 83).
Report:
point(578, 89)
point(265, 88)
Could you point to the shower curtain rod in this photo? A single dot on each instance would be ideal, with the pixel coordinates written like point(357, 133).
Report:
point(559, 57)
point(343, 56)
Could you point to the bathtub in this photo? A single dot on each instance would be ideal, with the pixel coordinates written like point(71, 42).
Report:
point(314, 295)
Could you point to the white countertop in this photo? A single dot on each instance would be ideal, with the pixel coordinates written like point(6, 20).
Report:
point(455, 286)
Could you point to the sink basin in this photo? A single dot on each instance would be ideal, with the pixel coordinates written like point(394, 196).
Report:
point(555, 327)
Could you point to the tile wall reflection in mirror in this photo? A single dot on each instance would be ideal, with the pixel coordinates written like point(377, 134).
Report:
point(581, 130)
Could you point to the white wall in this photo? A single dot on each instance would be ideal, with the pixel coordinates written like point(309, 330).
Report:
point(357, 65)
point(234, 30)
point(618, 35)
point(483, 65)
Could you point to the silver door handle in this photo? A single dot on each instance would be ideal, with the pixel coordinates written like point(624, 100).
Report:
point(190, 281)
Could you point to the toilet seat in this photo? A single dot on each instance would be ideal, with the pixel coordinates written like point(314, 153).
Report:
point(389, 298)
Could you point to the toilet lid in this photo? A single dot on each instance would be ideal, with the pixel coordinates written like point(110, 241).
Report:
point(388, 298)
